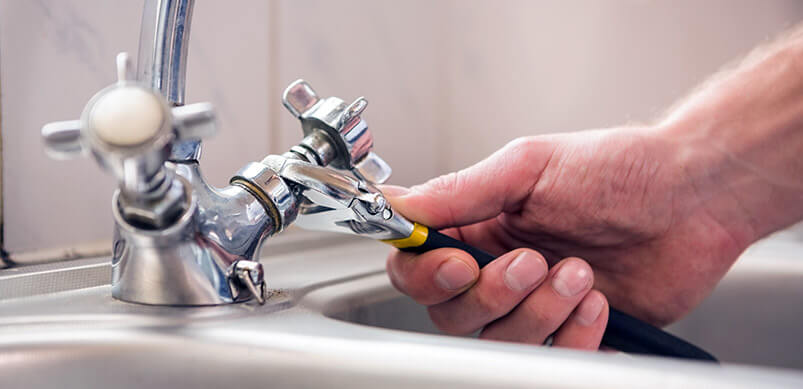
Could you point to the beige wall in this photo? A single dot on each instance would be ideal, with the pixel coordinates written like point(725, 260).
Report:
point(448, 81)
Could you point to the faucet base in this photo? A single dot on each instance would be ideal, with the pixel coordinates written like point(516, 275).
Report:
point(185, 264)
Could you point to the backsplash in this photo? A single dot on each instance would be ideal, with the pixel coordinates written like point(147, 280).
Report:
point(448, 81)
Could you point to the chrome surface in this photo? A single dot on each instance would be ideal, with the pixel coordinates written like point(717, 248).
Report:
point(62, 139)
point(345, 326)
point(158, 211)
point(194, 121)
point(275, 194)
point(331, 200)
point(191, 262)
point(149, 192)
point(347, 132)
point(320, 146)
point(163, 43)
point(373, 169)
point(299, 97)
point(162, 59)
point(250, 274)
point(334, 168)
point(303, 153)
point(176, 238)
point(138, 168)
point(186, 151)
point(178, 241)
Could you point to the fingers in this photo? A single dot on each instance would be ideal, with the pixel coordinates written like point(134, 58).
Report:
point(546, 309)
point(585, 326)
point(499, 183)
point(515, 298)
point(434, 276)
point(502, 285)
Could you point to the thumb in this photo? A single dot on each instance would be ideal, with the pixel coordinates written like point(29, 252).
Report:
point(500, 183)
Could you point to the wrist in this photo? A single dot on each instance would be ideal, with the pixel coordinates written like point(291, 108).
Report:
point(739, 141)
point(745, 176)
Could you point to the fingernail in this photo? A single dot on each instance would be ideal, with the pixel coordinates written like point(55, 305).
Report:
point(394, 190)
point(590, 309)
point(572, 278)
point(524, 271)
point(453, 275)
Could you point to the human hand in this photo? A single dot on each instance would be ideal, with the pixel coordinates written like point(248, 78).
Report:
point(621, 199)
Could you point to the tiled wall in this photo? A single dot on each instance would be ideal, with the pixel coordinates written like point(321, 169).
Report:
point(448, 81)
point(57, 53)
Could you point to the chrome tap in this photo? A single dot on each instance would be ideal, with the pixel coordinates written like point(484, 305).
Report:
point(177, 240)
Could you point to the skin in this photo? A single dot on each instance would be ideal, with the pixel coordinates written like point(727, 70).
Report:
point(658, 213)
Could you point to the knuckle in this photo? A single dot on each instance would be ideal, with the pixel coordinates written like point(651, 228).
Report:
point(545, 319)
point(466, 314)
point(523, 142)
point(525, 145)
point(447, 183)
point(487, 306)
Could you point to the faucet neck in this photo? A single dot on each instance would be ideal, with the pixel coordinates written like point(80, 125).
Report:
point(163, 42)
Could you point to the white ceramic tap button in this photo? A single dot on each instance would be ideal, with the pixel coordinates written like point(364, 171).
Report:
point(127, 116)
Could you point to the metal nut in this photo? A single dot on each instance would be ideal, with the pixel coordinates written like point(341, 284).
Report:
point(160, 212)
point(341, 122)
point(274, 194)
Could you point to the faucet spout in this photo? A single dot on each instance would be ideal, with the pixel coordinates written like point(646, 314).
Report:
point(163, 42)
point(164, 39)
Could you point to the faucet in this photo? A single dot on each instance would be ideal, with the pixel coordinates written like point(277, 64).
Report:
point(178, 240)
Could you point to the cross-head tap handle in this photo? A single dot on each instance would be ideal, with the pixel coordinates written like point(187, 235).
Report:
point(130, 129)
point(343, 128)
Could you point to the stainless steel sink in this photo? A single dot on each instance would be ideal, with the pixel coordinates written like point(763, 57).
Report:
point(755, 316)
point(333, 320)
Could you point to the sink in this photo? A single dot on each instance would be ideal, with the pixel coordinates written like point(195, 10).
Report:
point(755, 316)
point(333, 320)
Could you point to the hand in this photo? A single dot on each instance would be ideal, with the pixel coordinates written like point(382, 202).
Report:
point(660, 213)
point(622, 199)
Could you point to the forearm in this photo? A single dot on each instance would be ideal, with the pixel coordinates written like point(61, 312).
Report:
point(740, 140)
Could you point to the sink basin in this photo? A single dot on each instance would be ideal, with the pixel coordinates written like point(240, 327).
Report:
point(333, 320)
point(755, 316)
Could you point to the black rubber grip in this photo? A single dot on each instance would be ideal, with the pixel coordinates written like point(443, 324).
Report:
point(436, 240)
point(624, 332)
